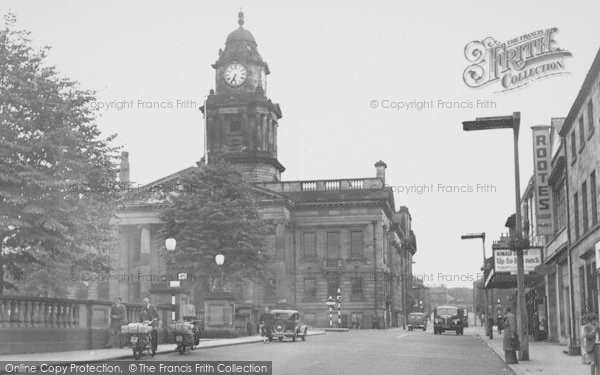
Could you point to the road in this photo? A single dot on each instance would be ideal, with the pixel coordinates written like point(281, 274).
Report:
point(392, 351)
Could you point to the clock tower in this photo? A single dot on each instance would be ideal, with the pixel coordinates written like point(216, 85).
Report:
point(241, 122)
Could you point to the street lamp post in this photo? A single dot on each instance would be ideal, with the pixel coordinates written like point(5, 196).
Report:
point(488, 329)
point(518, 244)
point(339, 301)
point(170, 244)
point(219, 260)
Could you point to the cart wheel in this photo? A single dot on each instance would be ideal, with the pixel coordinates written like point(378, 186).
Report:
point(136, 354)
point(181, 349)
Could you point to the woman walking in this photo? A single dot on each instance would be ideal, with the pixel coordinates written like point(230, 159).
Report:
point(511, 337)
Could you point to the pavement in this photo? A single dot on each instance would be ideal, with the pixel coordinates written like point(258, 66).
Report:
point(545, 357)
point(366, 351)
point(388, 351)
point(98, 355)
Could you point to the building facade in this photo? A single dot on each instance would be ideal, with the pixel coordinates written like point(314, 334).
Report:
point(581, 151)
point(325, 234)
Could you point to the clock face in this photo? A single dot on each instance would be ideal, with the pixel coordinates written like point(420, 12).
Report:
point(235, 74)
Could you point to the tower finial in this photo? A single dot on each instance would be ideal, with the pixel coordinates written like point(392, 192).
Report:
point(241, 18)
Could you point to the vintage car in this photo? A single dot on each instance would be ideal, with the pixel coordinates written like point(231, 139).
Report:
point(448, 318)
point(417, 320)
point(286, 323)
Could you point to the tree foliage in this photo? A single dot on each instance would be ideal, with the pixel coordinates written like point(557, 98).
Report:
point(215, 212)
point(58, 183)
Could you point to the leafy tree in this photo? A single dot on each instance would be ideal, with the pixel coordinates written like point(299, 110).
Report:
point(215, 212)
point(58, 184)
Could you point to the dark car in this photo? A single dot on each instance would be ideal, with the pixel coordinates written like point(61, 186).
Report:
point(417, 320)
point(286, 323)
point(448, 318)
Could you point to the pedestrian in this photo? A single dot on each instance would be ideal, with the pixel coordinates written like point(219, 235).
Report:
point(249, 328)
point(590, 333)
point(500, 323)
point(510, 342)
point(118, 318)
point(149, 313)
point(266, 322)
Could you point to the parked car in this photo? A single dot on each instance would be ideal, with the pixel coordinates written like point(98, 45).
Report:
point(286, 323)
point(448, 318)
point(417, 320)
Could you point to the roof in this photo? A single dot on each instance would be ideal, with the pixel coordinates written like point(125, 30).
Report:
point(240, 35)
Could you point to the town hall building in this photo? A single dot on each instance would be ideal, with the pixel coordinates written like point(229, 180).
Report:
point(324, 234)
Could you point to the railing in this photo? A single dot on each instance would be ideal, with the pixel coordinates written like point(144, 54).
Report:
point(372, 184)
point(84, 321)
point(16, 311)
point(308, 186)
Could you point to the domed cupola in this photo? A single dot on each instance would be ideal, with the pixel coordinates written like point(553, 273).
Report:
point(241, 121)
point(240, 45)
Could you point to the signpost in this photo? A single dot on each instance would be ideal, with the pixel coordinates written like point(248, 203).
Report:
point(339, 301)
point(330, 303)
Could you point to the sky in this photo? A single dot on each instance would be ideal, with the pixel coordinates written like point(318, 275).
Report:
point(334, 67)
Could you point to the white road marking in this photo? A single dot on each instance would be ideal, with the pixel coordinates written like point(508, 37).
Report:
point(399, 337)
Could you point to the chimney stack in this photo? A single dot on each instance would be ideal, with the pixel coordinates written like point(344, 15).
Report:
point(380, 167)
point(124, 168)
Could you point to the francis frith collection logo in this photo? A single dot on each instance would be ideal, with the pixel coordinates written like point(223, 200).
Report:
point(515, 63)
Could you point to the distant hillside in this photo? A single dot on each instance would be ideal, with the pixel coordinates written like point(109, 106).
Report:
point(462, 296)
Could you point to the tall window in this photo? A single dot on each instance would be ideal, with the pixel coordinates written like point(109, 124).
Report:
point(590, 116)
point(356, 287)
point(270, 288)
point(135, 244)
point(559, 206)
point(581, 132)
point(582, 299)
point(310, 289)
point(592, 289)
point(573, 145)
point(356, 244)
point(308, 245)
point(576, 214)
point(333, 245)
point(333, 283)
point(584, 207)
point(594, 198)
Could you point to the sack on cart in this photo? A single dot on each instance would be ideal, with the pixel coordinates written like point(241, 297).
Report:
point(181, 328)
point(134, 328)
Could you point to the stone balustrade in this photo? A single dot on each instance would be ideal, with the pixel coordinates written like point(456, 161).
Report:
point(324, 185)
point(37, 324)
